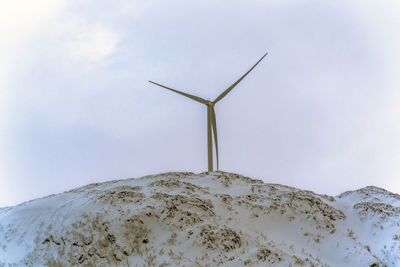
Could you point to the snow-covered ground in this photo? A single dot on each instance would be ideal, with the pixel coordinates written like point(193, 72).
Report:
point(205, 219)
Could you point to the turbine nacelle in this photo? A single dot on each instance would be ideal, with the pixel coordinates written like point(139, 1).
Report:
point(211, 119)
point(210, 103)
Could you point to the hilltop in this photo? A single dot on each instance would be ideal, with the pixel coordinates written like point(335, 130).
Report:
point(206, 219)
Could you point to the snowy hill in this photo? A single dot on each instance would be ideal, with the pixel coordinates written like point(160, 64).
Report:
point(205, 219)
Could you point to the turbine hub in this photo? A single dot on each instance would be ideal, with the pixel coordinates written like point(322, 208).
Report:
point(210, 103)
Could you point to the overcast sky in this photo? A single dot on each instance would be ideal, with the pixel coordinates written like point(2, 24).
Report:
point(320, 112)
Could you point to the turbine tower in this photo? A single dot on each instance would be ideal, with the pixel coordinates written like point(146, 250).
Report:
point(211, 120)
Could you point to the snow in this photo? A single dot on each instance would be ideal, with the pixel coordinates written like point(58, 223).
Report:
point(206, 219)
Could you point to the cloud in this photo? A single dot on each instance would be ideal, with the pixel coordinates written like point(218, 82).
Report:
point(19, 21)
point(93, 44)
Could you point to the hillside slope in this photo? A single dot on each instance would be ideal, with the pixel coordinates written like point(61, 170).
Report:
point(205, 219)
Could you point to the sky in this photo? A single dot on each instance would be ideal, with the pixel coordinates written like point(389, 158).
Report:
point(321, 112)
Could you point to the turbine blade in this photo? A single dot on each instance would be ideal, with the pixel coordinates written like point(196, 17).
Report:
point(214, 127)
point(238, 81)
point(196, 98)
point(209, 140)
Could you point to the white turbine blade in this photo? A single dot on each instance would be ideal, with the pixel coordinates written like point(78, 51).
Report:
point(238, 81)
point(214, 127)
point(209, 140)
point(196, 98)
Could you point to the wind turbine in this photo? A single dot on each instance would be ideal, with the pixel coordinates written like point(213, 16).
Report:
point(211, 121)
